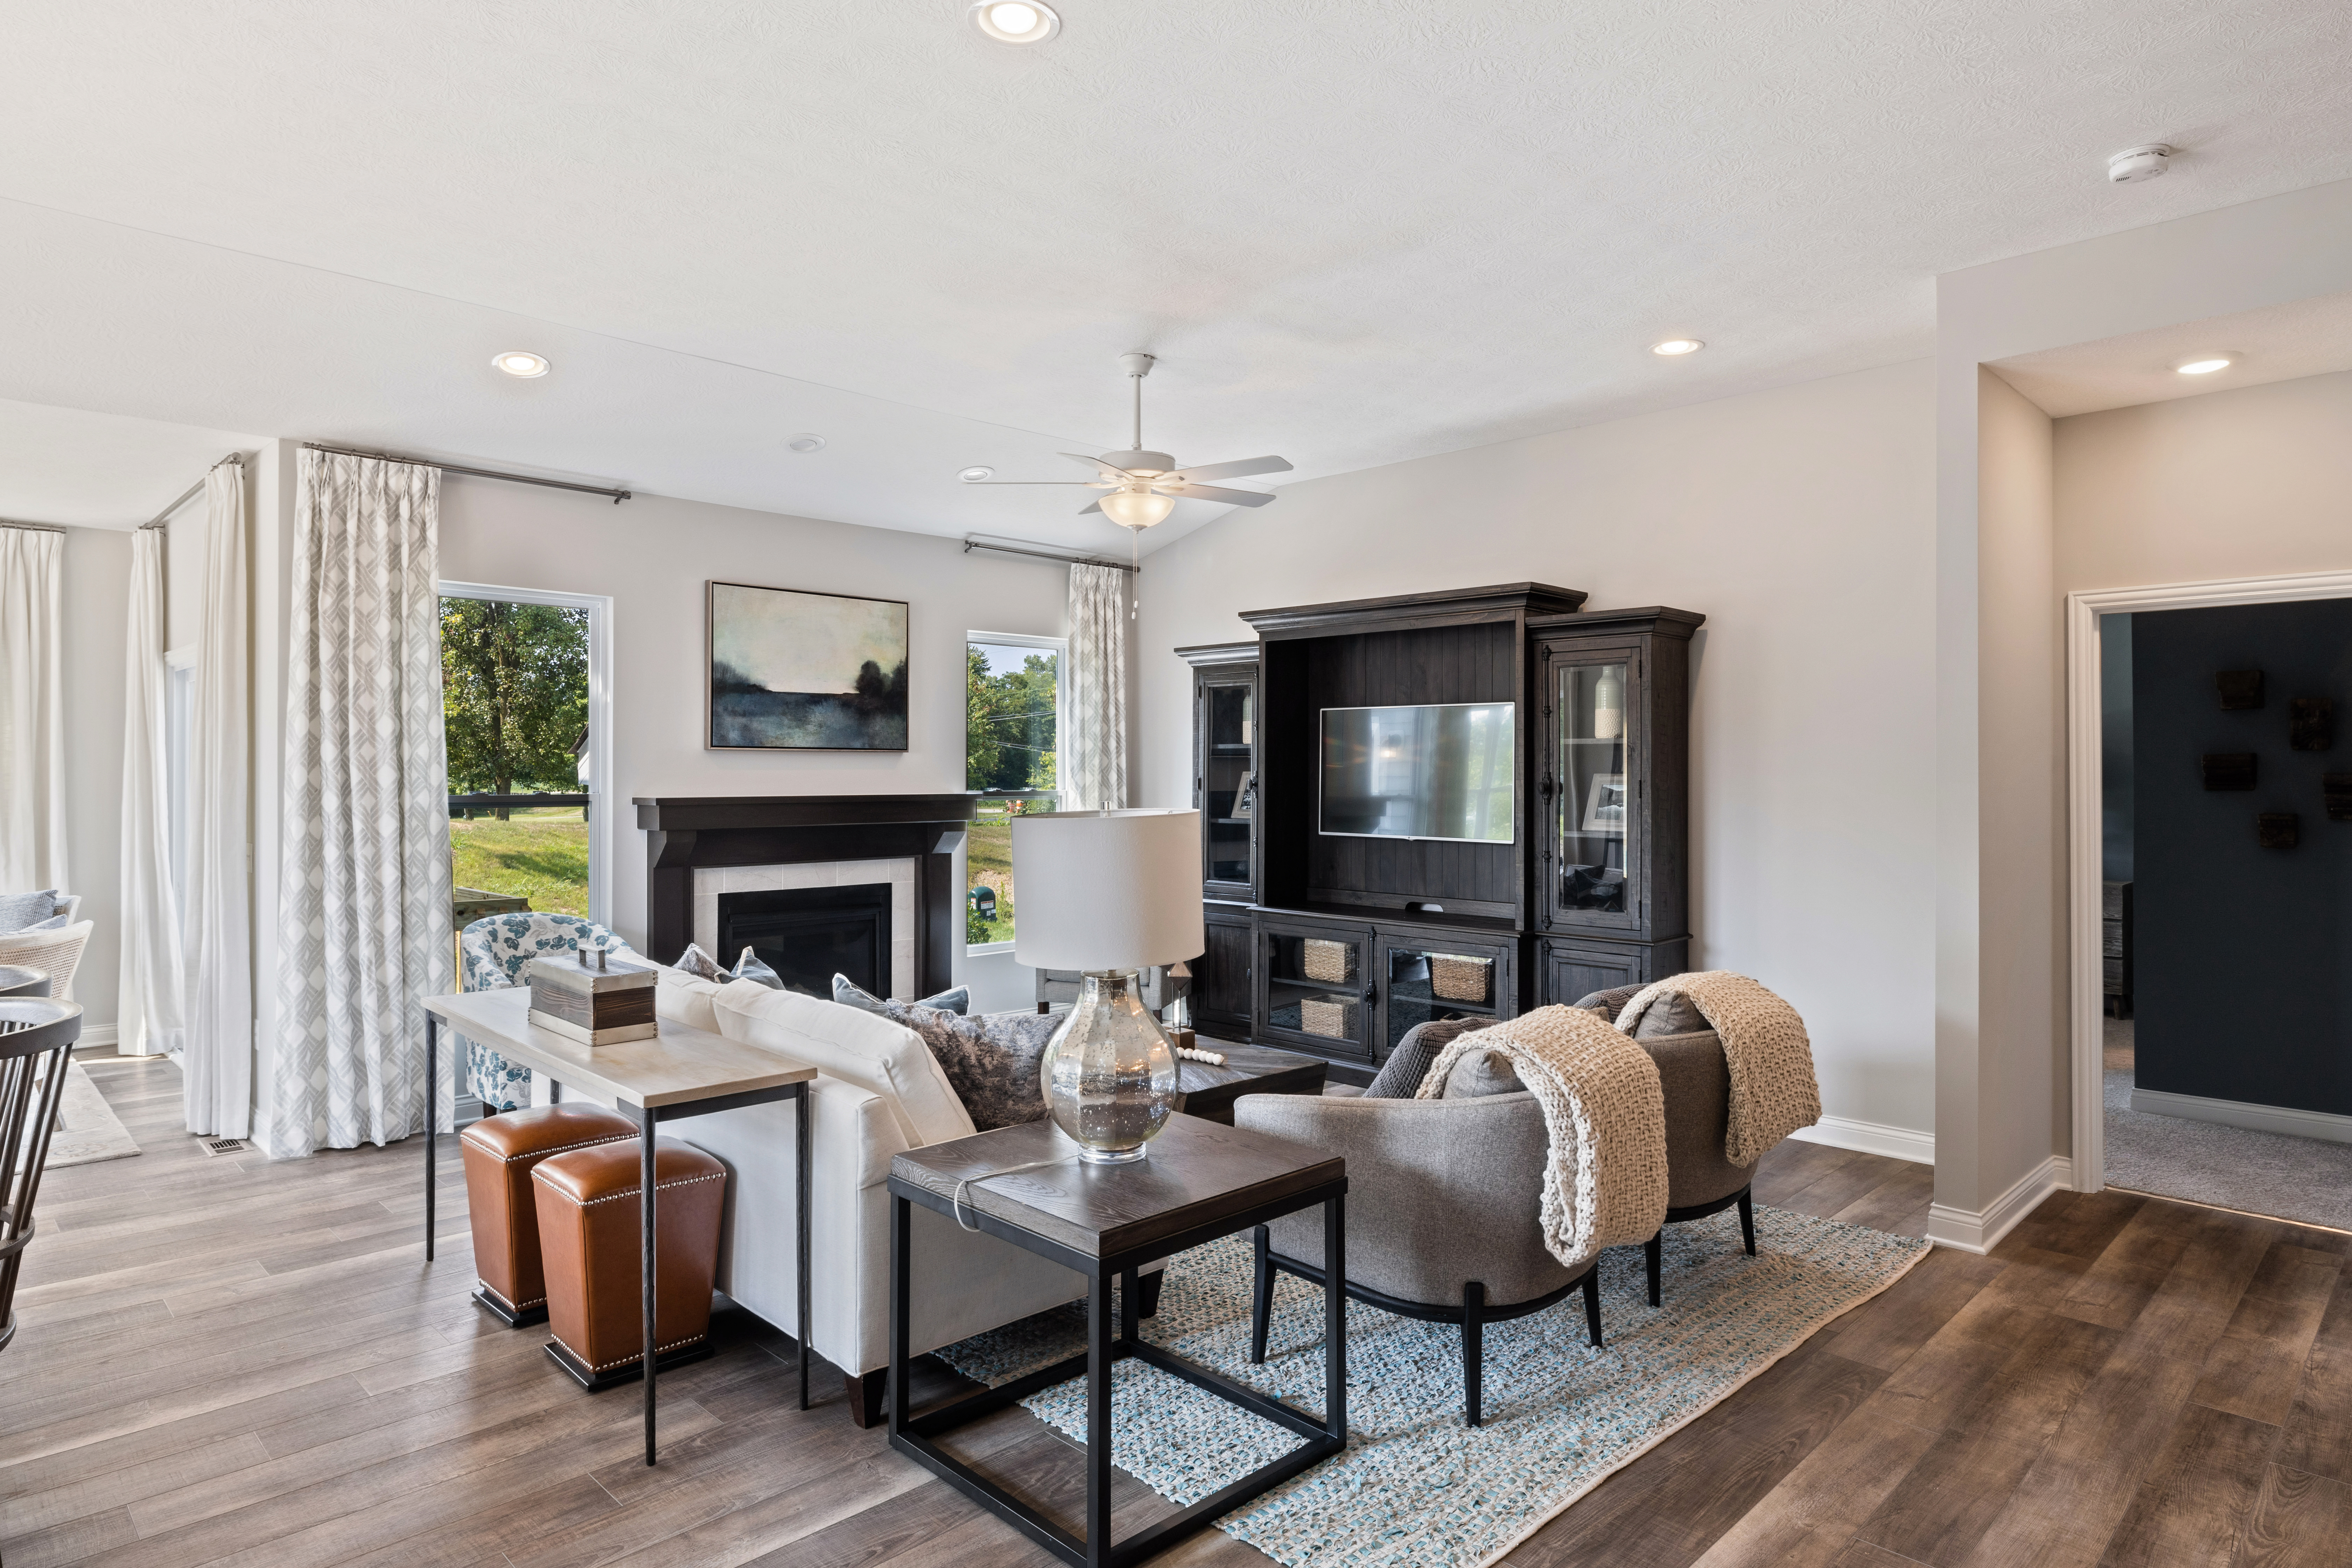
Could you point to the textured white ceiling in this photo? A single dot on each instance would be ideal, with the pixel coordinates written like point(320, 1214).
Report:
point(1354, 231)
point(2279, 342)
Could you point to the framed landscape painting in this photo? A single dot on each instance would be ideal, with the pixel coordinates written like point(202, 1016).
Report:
point(795, 672)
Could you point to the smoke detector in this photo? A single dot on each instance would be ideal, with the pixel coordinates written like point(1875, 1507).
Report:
point(2133, 164)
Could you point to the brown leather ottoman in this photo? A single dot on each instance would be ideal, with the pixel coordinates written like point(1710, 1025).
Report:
point(500, 1154)
point(592, 1236)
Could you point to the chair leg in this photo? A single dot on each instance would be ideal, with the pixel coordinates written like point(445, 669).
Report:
point(1147, 1294)
point(1473, 1351)
point(1654, 1256)
point(1261, 1298)
point(1748, 1218)
point(1593, 1304)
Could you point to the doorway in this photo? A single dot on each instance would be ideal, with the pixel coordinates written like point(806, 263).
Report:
point(2212, 893)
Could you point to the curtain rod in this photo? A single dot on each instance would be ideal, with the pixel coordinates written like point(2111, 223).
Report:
point(191, 493)
point(618, 496)
point(971, 544)
point(32, 527)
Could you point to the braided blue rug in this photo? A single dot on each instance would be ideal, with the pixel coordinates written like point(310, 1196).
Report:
point(1415, 1486)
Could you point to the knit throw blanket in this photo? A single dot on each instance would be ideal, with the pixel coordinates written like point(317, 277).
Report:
point(1773, 1090)
point(1605, 1184)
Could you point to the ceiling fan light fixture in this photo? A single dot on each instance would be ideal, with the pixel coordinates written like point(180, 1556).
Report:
point(1671, 348)
point(1015, 21)
point(1137, 508)
point(521, 363)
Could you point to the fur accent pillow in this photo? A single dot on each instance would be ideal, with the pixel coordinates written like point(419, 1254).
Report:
point(991, 1062)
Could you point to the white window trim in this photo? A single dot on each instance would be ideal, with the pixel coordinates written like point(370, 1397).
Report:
point(1009, 639)
point(603, 828)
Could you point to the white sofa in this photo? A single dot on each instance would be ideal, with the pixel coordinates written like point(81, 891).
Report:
point(880, 1092)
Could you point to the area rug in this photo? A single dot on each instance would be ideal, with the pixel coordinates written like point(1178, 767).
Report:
point(1415, 1486)
point(2274, 1173)
point(91, 1132)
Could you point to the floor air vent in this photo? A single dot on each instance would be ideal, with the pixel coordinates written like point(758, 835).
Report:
point(226, 1145)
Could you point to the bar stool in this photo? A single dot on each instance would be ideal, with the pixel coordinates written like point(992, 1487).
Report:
point(36, 1040)
point(500, 1152)
point(592, 1235)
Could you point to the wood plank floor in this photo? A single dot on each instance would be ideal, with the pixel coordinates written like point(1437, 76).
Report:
point(226, 1360)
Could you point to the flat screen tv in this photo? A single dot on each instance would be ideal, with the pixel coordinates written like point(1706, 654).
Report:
point(1445, 771)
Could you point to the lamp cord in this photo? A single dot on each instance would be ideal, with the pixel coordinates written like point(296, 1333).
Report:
point(959, 1204)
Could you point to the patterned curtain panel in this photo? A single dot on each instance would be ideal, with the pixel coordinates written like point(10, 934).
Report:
point(32, 712)
point(366, 821)
point(149, 983)
point(1091, 764)
point(217, 1069)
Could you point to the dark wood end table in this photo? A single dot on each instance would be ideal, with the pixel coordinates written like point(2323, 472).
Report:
point(1209, 1092)
point(1201, 1181)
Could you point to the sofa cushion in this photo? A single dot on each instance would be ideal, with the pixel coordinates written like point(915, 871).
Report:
point(884, 1057)
point(849, 993)
point(22, 912)
point(993, 1060)
point(1481, 1072)
point(685, 997)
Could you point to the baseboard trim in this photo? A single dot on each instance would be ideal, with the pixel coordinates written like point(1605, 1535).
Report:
point(1982, 1231)
point(99, 1035)
point(2325, 1125)
point(1871, 1138)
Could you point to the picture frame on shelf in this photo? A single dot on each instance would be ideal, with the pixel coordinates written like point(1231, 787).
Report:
point(1604, 805)
point(1245, 797)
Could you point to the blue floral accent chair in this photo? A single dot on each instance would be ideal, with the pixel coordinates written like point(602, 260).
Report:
point(495, 950)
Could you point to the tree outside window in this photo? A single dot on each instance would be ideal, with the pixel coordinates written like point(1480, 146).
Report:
point(1010, 691)
point(514, 697)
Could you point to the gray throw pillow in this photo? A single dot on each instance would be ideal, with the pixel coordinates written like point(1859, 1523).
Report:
point(1399, 1077)
point(54, 922)
point(849, 993)
point(751, 967)
point(22, 912)
point(1482, 1072)
point(991, 1062)
point(1609, 1003)
point(1670, 1014)
point(701, 965)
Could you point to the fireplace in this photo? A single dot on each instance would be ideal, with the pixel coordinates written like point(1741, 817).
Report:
point(807, 935)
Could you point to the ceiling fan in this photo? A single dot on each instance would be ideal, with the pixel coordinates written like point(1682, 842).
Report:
point(1140, 488)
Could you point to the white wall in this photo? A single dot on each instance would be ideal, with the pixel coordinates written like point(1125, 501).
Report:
point(653, 556)
point(96, 620)
point(1800, 522)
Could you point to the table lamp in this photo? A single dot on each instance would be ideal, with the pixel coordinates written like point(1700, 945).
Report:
point(1107, 893)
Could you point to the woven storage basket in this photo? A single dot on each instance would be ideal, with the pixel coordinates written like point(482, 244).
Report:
point(1332, 1020)
point(1325, 961)
point(1460, 979)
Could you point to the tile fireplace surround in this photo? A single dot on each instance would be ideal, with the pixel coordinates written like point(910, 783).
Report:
point(700, 846)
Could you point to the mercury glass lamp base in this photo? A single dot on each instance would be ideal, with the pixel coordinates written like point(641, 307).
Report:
point(1094, 1156)
point(1109, 1075)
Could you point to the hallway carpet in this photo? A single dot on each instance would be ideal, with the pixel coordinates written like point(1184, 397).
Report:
point(2233, 1167)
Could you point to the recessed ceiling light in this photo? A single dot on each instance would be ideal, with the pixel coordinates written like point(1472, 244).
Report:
point(2205, 364)
point(1015, 21)
point(1673, 347)
point(976, 473)
point(515, 362)
point(805, 442)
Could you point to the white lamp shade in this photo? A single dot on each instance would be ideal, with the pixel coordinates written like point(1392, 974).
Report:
point(1107, 890)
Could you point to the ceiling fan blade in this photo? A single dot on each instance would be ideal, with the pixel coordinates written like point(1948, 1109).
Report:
point(1088, 484)
point(1096, 508)
point(1096, 463)
point(1210, 492)
point(1232, 471)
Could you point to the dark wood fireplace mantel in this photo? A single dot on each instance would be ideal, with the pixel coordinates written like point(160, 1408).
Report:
point(685, 833)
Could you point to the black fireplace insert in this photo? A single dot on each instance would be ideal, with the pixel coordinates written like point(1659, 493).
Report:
point(807, 935)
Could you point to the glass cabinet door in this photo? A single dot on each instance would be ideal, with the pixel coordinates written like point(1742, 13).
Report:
point(1315, 990)
point(1228, 786)
point(1595, 794)
point(1427, 981)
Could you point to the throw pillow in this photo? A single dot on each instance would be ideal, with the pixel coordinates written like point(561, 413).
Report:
point(22, 912)
point(1611, 1003)
point(54, 922)
point(849, 993)
point(700, 964)
point(1481, 1073)
point(1670, 1014)
point(749, 967)
point(1399, 1077)
point(993, 1062)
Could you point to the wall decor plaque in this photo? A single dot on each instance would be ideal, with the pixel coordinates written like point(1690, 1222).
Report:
point(2335, 791)
point(2310, 723)
point(2228, 770)
point(2240, 688)
point(800, 671)
point(2278, 829)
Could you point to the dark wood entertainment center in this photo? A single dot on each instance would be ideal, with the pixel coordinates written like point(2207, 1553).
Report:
point(1337, 944)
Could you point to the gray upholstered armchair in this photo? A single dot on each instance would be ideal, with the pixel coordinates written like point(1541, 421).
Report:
point(1442, 1204)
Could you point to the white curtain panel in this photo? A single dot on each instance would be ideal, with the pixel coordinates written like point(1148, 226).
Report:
point(32, 712)
point(217, 1069)
point(148, 992)
point(1091, 745)
point(366, 820)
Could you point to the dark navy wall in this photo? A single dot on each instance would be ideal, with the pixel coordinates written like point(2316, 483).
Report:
point(2115, 747)
point(2245, 955)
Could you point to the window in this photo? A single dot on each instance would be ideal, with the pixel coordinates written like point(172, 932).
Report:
point(1010, 684)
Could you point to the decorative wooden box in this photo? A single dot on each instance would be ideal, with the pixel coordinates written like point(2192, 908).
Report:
point(592, 997)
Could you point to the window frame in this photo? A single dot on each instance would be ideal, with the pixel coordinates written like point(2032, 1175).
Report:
point(1060, 648)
